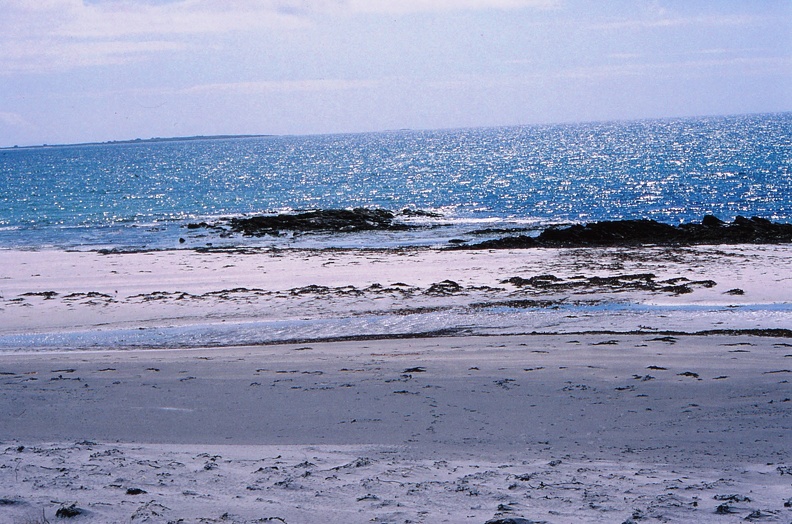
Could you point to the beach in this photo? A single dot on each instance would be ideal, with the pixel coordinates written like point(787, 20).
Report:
point(409, 385)
point(395, 262)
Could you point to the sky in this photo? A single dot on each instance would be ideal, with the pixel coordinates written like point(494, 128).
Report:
point(97, 70)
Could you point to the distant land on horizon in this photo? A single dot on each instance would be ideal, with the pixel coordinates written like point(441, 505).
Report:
point(137, 141)
point(231, 136)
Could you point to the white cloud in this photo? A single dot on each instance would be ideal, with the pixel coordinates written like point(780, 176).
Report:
point(15, 122)
point(46, 35)
point(734, 66)
point(52, 35)
point(49, 55)
point(413, 6)
point(648, 71)
point(263, 87)
point(122, 18)
point(252, 88)
point(664, 21)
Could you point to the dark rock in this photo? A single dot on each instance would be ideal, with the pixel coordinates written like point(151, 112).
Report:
point(518, 242)
point(333, 220)
point(609, 233)
point(446, 287)
point(48, 295)
point(735, 291)
point(619, 280)
point(711, 230)
point(617, 283)
point(537, 281)
point(500, 230)
point(712, 221)
point(677, 290)
point(732, 498)
point(512, 520)
point(407, 212)
point(67, 512)
point(135, 491)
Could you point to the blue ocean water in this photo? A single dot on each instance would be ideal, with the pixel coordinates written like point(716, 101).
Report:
point(141, 195)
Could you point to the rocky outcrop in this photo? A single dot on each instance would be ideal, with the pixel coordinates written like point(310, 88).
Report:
point(649, 232)
point(319, 221)
point(329, 220)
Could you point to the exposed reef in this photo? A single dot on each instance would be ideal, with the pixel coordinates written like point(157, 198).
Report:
point(710, 231)
point(322, 220)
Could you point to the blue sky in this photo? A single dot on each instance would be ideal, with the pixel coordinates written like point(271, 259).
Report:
point(96, 70)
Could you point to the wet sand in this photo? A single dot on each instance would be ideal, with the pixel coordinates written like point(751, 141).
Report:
point(554, 427)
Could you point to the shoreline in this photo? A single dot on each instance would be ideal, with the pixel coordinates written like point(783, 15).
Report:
point(618, 416)
point(379, 229)
point(771, 333)
point(184, 298)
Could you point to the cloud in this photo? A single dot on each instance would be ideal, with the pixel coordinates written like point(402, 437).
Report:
point(57, 35)
point(124, 18)
point(415, 6)
point(664, 21)
point(49, 55)
point(252, 88)
point(15, 122)
point(728, 66)
point(48, 35)
point(648, 71)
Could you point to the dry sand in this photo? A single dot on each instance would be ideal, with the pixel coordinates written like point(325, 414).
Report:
point(567, 426)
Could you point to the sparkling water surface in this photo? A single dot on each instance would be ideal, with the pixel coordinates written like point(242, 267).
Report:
point(142, 194)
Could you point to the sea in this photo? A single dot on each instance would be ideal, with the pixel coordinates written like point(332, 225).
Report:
point(474, 183)
point(461, 185)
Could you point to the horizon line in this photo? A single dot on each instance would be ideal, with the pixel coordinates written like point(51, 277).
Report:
point(188, 138)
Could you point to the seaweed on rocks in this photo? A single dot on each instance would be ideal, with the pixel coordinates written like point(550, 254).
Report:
point(518, 242)
point(710, 231)
point(407, 212)
point(512, 520)
point(446, 287)
point(610, 233)
point(333, 220)
point(67, 512)
point(319, 221)
point(616, 283)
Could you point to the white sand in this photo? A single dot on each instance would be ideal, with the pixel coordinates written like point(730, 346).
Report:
point(173, 288)
point(554, 428)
